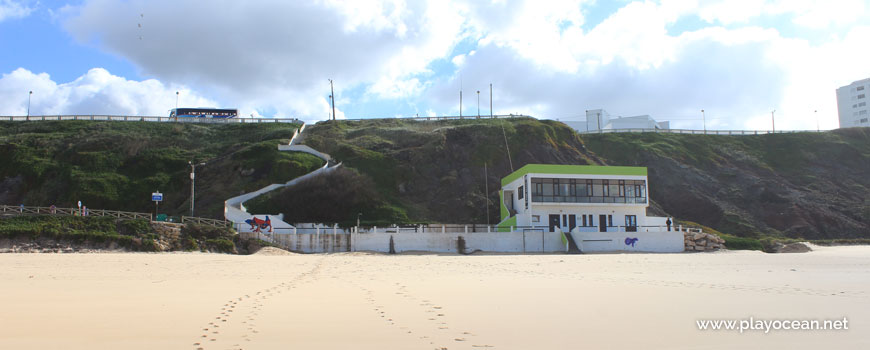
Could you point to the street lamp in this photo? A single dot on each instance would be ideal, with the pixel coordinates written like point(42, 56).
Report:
point(28, 104)
point(176, 106)
point(192, 183)
point(773, 121)
point(704, 116)
point(816, 113)
point(478, 104)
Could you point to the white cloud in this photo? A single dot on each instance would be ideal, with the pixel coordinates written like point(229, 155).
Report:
point(96, 92)
point(13, 9)
point(275, 57)
point(276, 54)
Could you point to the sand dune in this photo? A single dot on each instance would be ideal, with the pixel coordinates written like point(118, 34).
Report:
point(427, 301)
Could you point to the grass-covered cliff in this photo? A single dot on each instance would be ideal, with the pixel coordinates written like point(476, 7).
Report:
point(433, 171)
point(116, 165)
point(801, 185)
point(806, 185)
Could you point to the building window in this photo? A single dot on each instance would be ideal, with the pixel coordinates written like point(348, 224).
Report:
point(536, 218)
point(520, 193)
point(861, 96)
point(862, 104)
point(863, 120)
point(610, 221)
point(587, 191)
point(860, 88)
point(862, 112)
point(584, 219)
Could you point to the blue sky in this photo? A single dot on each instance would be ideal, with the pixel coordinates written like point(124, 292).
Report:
point(736, 59)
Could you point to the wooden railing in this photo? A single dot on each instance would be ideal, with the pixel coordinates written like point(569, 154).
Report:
point(11, 210)
point(205, 221)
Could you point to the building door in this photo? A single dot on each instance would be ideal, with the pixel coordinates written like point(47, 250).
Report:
point(572, 222)
point(602, 223)
point(554, 222)
point(631, 223)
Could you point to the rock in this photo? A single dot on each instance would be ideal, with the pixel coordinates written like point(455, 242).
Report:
point(702, 242)
point(699, 248)
point(793, 248)
point(698, 236)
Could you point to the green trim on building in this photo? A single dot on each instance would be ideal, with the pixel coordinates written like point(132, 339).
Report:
point(573, 170)
point(505, 225)
point(504, 211)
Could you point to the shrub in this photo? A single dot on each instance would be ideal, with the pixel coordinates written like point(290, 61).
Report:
point(740, 243)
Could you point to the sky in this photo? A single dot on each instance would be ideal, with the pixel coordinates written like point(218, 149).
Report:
point(738, 60)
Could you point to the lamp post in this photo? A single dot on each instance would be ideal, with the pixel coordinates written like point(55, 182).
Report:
point(192, 183)
point(176, 106)
point(28, 103)
point(704, 116)
point(478, 104)
point(490, 100)
point(816, 113)
point(773, 121)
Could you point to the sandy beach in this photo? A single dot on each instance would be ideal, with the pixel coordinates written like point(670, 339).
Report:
point(427, 301)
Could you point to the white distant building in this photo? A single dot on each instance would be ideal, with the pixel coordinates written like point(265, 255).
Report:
point(599, 119)
point(852, 104)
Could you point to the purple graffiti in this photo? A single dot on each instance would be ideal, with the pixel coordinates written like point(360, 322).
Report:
point(630, 241)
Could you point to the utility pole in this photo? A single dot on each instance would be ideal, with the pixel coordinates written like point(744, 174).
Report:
point(28, 104)
point(490, 101)
point(816, 113)
point(486, 194)
point(773, 121)
point(460, 103)
point(192, 183)
point(704, 116)
point(332, 97)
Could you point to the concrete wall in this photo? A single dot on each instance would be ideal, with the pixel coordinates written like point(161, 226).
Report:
point(652, 242)
point(328, 242)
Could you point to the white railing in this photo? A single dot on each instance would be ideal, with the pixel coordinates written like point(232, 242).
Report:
point(696, 132)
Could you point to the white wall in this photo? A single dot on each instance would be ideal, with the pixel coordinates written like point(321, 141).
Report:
point(651, 242)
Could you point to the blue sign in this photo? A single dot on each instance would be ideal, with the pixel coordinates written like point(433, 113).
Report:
point(157, 196)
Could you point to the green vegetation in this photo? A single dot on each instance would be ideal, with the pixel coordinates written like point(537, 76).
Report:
point(98, 231)
point(116, 165)
point(433, 171)
point(336, 197)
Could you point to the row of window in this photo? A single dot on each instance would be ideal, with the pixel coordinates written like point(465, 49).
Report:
point(862, 104)
point(587, 191)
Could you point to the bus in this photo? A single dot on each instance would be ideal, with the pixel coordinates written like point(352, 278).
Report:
point(203, 113)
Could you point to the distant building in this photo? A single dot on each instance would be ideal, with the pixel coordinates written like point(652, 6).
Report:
point(852, 104)
point(599, 119)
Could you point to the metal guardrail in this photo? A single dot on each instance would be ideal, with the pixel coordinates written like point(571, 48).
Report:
point(138, 118)
point(695, 132)
point(10, 210)
point(447, 117)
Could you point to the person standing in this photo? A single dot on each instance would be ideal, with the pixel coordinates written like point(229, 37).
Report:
point(669, 222)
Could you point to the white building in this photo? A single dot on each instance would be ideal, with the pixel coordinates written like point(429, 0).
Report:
point(599, 119)
point(852, 104)
point(602, 207)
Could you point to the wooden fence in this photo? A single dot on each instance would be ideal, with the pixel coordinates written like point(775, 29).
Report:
point(11, 210)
